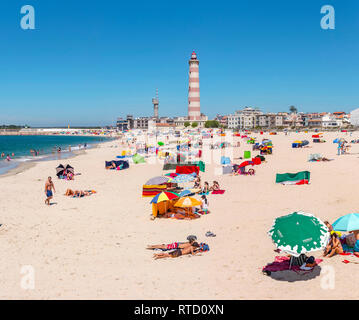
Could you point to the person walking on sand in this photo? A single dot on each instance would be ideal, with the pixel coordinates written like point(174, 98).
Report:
point(49, 186)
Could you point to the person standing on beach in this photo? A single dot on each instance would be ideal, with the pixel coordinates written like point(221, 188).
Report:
point(49, 186)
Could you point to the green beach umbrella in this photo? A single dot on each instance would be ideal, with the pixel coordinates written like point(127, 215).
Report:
point(298, 233)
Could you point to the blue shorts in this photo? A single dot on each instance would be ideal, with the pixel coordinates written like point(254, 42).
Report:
point(49, 193)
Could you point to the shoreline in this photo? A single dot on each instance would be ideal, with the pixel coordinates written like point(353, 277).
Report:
point(23, 166)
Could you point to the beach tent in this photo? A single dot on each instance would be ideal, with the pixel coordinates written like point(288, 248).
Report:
point(298, 178)
point(162, 207)
point(138, 159)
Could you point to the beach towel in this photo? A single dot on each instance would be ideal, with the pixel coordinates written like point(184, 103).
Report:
point(218, 191)
point(298, 178)
point(282, 263)
point(152, 190)
point(187, 169)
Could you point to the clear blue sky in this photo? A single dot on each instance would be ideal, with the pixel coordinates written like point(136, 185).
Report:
point(89, 62)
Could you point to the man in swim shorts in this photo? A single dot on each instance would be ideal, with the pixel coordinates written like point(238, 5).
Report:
point(49, 186)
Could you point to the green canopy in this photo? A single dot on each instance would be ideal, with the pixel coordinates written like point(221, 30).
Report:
point(298, 233)
point(138, 159)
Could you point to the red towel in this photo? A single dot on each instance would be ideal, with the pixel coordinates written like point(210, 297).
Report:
point(218, 191)
point(187, 169)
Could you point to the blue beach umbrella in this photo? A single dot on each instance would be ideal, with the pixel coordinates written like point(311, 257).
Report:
point(186, 193)
point(349, 222)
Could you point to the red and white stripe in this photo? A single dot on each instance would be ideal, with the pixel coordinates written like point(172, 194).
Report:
point(194, 106)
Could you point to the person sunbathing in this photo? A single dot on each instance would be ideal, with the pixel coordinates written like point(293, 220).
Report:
point(192, 249)
point(215, 186)
point(173, 245)
point(334, 246)
point(78, 193)
point(111, 166)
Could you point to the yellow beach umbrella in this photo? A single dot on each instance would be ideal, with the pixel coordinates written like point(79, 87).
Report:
point(187, 202)
point(298, 141)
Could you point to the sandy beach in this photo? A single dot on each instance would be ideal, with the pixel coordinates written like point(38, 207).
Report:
point(94, 247)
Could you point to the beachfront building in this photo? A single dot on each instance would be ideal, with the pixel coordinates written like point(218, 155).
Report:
point(222, 120)
point(233, 120)
point(271, 120)
point(247, 118)
point(354, 117)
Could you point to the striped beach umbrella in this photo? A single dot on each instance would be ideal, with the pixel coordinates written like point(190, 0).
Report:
point(298, 233)
point(164, 196)
point(158, 180)
point(187, 202)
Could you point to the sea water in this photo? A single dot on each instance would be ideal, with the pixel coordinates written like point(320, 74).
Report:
point(20, 146)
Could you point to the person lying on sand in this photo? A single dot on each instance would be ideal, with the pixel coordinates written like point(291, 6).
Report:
point(173, 245)
point(78, 193)
point(111, 166)
point(192, 249)
point(334, 246)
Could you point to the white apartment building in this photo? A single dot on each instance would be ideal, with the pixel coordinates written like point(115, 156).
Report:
point(329, 121)
point(244, 119)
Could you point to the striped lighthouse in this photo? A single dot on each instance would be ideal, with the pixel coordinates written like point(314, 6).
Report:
point(194, 106)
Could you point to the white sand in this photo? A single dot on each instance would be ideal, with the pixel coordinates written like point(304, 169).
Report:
point(94, 247)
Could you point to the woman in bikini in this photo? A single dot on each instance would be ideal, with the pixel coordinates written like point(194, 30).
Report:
point(205, 187)
point(197, 183)
point(215, 186)
point(334, 246)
